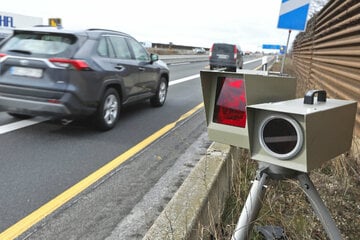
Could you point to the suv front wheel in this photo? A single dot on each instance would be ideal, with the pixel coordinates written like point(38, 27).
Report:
point(159, 99)
point(109, 110)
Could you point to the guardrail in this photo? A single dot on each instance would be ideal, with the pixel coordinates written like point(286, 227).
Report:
point(173, 59)
point(327, 55)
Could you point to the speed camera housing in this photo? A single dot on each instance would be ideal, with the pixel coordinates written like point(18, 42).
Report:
point(226, 96)
point(299, 134)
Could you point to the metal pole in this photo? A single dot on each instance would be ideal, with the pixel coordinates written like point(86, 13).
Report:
point(319, 207)
point(251, 209)
point(283, 60)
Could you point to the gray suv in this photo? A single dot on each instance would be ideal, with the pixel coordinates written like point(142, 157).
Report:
point(226, 56)
point(71, 74)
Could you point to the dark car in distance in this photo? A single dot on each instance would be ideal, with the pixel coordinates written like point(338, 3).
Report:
point(70, 74)
point(225, 56)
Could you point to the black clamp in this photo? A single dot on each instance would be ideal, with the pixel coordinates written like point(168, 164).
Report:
point(271, 232)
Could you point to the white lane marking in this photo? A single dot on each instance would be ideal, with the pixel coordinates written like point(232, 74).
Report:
point(21, 124)
point(184, 79)
point(178, 64)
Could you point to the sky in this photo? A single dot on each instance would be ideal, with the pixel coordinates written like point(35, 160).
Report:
point(249, 23)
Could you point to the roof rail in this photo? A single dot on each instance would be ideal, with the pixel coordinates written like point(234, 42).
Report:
point(103, 29)
point(49, 26)
point(42, 25)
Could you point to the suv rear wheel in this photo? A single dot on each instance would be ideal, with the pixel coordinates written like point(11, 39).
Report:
point(159, 99)
point(109, 110)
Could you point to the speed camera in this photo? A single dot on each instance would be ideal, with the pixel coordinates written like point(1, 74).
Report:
point(226, 96)
point(301, 134)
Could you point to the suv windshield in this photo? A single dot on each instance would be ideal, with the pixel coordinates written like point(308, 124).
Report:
point(40, 44)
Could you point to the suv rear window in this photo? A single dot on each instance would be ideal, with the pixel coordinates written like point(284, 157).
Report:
point(40, 44)
point(223, 48)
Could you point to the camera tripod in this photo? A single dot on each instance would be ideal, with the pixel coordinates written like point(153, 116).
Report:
point(256, 195)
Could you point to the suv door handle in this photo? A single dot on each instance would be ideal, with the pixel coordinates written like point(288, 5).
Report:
point(119, 67)
point(142, 69)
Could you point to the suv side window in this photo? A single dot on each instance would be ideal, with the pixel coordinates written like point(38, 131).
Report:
point(139, 51)
point(120, 47)
point(104, 48)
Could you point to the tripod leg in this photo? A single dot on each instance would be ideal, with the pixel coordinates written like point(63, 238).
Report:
point(251, 209)
point(319, 207)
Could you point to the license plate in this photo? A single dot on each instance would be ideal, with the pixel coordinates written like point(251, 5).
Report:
point(223, 56)
point(26, 72)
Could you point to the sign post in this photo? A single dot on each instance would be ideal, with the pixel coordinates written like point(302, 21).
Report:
point(283, 60)
point(293, 16)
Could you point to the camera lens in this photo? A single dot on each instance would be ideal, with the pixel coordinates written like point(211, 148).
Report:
point(281, 136)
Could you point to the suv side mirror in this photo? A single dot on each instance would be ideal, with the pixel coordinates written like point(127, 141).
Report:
point(154, 57)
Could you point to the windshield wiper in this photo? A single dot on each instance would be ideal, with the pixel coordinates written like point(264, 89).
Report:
point(20, 51)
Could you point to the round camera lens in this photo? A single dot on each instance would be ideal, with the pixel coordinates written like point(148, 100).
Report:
point(281, 136)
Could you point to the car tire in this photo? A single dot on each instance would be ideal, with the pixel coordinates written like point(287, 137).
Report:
point(19, 116)
point(159, 99)
point(108, 112)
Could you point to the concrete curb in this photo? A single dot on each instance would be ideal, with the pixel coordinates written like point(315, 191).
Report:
point(198, 204)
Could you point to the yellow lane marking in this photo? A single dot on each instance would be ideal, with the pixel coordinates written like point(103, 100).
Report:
point(27, 222)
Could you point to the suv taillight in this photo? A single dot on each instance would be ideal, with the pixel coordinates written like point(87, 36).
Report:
point(211, 49)
point(235, 52)
point(66, 63)
point(2, 55)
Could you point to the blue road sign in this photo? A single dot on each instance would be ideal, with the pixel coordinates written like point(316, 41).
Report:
point(281, 48)
point(293, 14)
point(271, 46)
